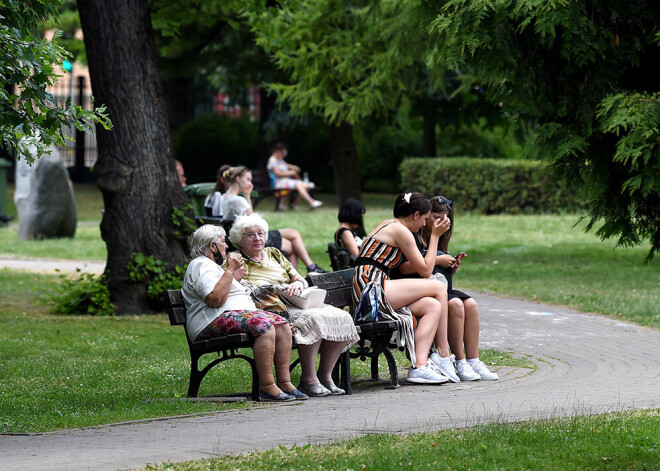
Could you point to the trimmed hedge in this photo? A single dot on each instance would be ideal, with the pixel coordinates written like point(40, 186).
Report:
point(489, 186)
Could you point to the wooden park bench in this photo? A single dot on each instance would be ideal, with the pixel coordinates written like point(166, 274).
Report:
point(227, 347)
point(375, 337)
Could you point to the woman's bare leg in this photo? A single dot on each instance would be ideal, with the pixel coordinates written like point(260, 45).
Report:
point(302, 192)
point(283, 356)
point(288, 248)
point(471, 334)
point(428, 313)
point(330, 352)
point(293, 237)
point(263, 350)
point(405, 291)
point(456, 327)
point(307, 354)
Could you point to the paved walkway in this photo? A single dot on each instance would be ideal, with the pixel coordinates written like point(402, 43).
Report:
point(50, 265)
point(584, 364)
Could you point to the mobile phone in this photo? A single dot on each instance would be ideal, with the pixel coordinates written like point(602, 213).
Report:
point(461, 255)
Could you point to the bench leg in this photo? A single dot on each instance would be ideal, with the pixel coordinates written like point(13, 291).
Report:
point(394, 372)
point(374, 368)
point(196, 376)
point(341, 373)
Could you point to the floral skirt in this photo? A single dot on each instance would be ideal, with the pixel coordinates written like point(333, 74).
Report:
point(255, 323)
point(323, 323)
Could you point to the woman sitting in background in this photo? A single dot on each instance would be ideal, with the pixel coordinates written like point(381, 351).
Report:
point(286, 176)
point(213, 202)
point(463, 322)
point(233, 205)
point(350, 234)
point(217, 304)
point(327, 329)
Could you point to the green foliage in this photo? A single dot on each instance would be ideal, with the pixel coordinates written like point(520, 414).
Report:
point(209, 142)
point(88, 294)
point(345, 60)
point(30, 118)
point(584, 72)
point(489, 185)
point(183, 224)
point(156, 274)
point(382, 145)
point(634, 118)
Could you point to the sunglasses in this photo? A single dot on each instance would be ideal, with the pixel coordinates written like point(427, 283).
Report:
point(443, 200)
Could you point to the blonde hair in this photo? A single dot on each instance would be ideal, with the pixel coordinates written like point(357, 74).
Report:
point(232, 173)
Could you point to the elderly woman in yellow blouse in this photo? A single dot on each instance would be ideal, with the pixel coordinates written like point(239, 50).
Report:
point(327, 329)
point(216, 304)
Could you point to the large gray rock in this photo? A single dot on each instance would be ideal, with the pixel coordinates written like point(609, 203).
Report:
point(44, 199)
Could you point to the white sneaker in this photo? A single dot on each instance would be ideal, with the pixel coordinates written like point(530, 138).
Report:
point(424, 375)
point(482, 370)
point(316, 204)
point(465, 372)
point(446, 366)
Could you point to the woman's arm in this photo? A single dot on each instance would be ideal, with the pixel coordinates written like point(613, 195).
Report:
point(220, 293)
point(348, 239)
point(280, 172)
point(444, 260)
point(423, 265)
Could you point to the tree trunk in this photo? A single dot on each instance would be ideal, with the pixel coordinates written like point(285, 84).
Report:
point(267, 103)
point(135, 168)
point(344, 161)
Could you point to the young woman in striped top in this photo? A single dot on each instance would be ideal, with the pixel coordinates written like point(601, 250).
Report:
point(409, 301)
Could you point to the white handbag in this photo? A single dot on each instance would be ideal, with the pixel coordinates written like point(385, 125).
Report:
point(308, 298)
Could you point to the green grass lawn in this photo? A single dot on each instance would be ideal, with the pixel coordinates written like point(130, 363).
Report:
point(612, 441)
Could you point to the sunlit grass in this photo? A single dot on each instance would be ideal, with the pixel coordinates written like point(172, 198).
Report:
point(613, 441)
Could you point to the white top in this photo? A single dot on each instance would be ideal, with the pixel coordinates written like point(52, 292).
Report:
point(214, 201)
point(201, 277)
point(233, 205)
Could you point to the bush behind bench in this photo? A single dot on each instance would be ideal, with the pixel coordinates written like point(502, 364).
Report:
point(490, 186)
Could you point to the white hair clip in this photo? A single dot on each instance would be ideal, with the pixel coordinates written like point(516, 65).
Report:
point(406, 197)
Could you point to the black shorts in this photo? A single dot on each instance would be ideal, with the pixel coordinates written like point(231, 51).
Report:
point(274, 240)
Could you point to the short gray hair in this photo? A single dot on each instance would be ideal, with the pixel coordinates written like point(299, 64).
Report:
point(203, 237)
point(243, 222)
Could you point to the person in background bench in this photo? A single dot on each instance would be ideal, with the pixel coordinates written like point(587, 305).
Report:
point(424, 299)
point(287, 240)
point(350, 234)
point(217, 304)
point(181, 173)
point(463, 321)
point(286, 176)
point(213, 201)
point(328, 330)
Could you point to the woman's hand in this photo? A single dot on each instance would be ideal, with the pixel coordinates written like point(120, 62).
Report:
point(234, 263)
point(455, 266)
point(239, 274)
point(247, 189)
point(446, 261)
point(440, 226)
point(296, 287)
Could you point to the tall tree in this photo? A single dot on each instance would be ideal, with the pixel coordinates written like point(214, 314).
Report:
point(585, 74)
point(29, 114)
point(346, 60)
point(135, 168)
